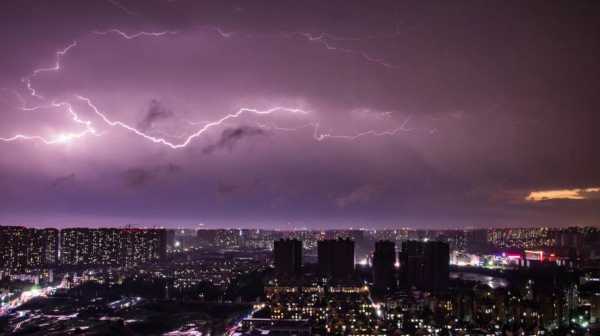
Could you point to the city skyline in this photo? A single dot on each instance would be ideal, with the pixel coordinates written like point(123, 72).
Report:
point(349, 282)
point(276, 115)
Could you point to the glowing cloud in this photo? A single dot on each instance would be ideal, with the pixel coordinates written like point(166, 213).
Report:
point(67, 137)
point(568, 194)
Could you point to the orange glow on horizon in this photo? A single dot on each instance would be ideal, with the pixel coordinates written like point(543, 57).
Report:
point(570, 194)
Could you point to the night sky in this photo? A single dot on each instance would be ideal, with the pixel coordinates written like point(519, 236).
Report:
point(283, 114)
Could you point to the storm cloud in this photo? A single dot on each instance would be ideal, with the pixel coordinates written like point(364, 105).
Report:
point(167, 112)
point(230, 137)
point(156, 112)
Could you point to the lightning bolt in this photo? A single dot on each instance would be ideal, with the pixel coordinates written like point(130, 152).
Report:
point(133, 36)
point(221, 32)
point(377, 36)
point(323, 39)
point(123, 8)
point(319, 136)
point(56, 67)
point(58, 139)
point(194, 135)
point(322, 136)
point(61, 138)
point(127, 36)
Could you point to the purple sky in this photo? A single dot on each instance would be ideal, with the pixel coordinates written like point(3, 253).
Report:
point(311, 114)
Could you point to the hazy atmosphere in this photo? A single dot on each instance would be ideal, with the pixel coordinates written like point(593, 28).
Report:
point(293, 114)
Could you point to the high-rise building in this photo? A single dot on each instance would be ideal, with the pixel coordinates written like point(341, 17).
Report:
point(111, 247)
point(477, 239)
point(220, 238)
point(336, 258)
point(22, 247)
point(14, 247)
point(287, 255)
point(411, 263)
point(77, 246)
point(206, 237)
point(43, 248)
point(171, 240)
point(107, 247)
point(437, 263)
point(143, 245)
point(424, 265)
point(85, 246)
point(384, 260)
point(412, 247)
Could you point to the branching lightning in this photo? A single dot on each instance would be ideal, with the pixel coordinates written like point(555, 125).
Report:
point(320, 136)
point(194, 135)
point(59, 55)
point(123, 8)
point(133, 36)
point(89, 129)
point(324, 39)
point(61, 138)
point(127, 36)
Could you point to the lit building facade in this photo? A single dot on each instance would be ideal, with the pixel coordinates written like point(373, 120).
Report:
point(22, 247)
point(112, 247)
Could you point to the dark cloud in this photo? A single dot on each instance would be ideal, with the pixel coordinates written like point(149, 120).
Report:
point(224, 189)
point(230, 137)
point(137, 177)
point(361, 195)
point(140, 177)
point(59, 181)
point(156, 112)
point(244, 187)
point(502, 98)
point(172, 168)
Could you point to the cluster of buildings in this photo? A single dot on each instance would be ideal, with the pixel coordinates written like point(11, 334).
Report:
point(193, 274)
point(351, 282)
point(22, 247)
point(324, 298)
point(29, 248)
point(405, 289)
point(211, 278)
point(333, 296)
point(335, 259)
point(420, 264)
point(576, 243)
